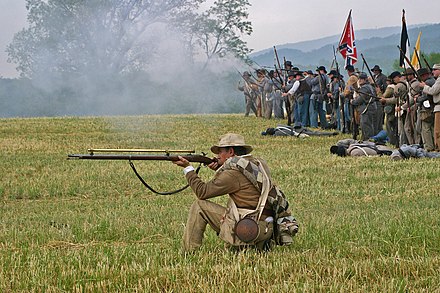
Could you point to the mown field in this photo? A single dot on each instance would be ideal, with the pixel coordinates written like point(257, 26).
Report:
point(367, 224)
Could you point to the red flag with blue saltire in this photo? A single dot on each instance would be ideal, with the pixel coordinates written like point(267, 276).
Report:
point(347, 45)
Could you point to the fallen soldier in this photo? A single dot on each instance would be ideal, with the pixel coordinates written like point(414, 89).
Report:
point(354, 148)
point(413, 151)
point(297, 131)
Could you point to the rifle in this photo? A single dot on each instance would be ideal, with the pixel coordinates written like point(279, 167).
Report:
point(355, 126)
point(96, 154)
point(410, 65)
point(287, 102)
point(279, 65)
point(426, 62)
point(341, 101)
point(371, 74)
point(418, 58)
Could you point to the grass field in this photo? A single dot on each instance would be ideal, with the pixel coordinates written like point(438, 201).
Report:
point(367, 224)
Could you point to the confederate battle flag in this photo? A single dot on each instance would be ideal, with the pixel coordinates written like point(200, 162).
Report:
point(347, 46)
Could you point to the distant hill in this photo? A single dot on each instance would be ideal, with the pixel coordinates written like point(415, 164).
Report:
point(379, 46)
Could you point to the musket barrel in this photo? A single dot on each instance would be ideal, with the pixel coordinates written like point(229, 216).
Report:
point(93, 150)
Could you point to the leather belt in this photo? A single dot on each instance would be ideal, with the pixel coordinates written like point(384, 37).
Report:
point(267, 212)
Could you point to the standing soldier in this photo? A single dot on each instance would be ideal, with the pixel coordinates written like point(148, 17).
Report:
point(366, 106)
point(401, 95)
point(305, 109)
point(379, 78)
point(410, 106)
point(389, 101)
point(350, 87)
point(435, 92)
point(425, 115)
point(296, 92)
point(250, 93)
point(335, 88)
point(319, 94)
point(277, 99)
point(261, 94)
point(268, 95)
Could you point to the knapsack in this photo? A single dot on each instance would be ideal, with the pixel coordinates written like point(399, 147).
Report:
point(285, 225)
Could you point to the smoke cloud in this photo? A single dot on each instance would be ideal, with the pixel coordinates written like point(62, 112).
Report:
point(168, 79)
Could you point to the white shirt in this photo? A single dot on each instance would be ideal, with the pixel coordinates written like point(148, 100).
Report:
point(294, 87)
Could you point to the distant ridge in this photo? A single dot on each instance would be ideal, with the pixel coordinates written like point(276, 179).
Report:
point(379, 46)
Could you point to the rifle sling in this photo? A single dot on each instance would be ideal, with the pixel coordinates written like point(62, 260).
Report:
point(151, 188)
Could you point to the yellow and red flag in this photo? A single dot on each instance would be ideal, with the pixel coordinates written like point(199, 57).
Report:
point(415, 62)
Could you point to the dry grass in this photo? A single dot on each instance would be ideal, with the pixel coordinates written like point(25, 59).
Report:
point(367, 224)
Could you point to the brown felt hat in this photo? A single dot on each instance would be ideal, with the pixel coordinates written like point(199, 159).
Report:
point(423, 71)
point(231, 140)
point(408, 71)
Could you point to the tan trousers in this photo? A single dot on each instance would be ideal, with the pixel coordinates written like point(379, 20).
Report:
point(203, 212)
point(437, 131)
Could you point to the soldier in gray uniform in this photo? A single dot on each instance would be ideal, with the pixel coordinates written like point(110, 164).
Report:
point(319, 86)
point(354, 148)
point(277, 99)
point(267, 86)
point(380, 80)
point(401, 95)
point(425, 115)
point(250, 93)
point(414, 90)
point(389, 102)
point(413, 151)
point(364, 101)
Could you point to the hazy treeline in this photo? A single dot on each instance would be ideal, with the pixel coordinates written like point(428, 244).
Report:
point(127, 95)
point(117, 57)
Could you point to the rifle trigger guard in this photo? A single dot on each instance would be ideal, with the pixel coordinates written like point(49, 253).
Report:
point(151, 188)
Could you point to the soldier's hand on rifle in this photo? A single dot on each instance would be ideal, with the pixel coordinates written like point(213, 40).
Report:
point(214, 165)
point(182, 162)
point(378, 91)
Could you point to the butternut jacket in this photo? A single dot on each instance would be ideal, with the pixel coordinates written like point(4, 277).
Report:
point(232, 182)
point(434, 91)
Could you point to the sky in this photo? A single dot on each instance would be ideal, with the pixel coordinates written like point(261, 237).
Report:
point(275, 22)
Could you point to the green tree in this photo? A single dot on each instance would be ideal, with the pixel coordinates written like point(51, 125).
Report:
point(77, 36)
point(432, 58)
point(218, 31)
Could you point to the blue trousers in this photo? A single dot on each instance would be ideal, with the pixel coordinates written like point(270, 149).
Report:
point(316, 109)
point(303, 109)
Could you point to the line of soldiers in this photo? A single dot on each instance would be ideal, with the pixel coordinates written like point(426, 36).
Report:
point(412, 107)
point(405, 102)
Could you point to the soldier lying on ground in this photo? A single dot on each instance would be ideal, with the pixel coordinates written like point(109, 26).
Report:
point(413, 151)
point(354, 148)
point(298, 131)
